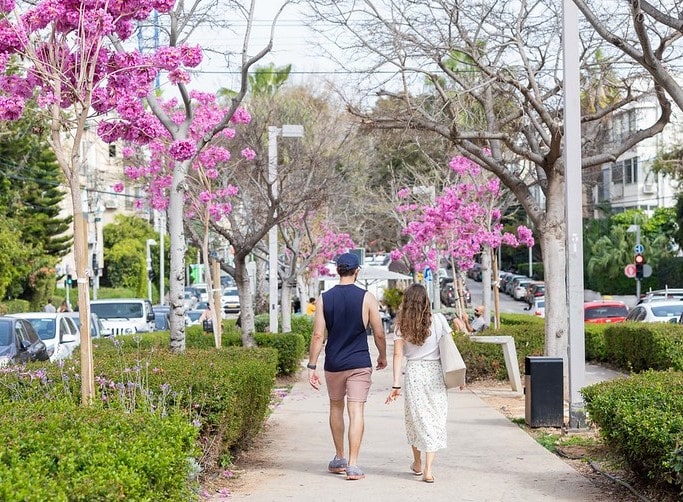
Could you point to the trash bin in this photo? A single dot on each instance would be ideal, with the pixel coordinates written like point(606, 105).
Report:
point(543, 391)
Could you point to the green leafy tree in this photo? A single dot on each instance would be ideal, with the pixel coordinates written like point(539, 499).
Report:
point(613, 249)
point(30, 195)
point(13, 266)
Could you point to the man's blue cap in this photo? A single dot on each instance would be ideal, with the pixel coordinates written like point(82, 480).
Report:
point(348, 261)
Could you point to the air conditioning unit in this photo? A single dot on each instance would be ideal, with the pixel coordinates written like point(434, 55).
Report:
point(110, 204)
point(648, 188)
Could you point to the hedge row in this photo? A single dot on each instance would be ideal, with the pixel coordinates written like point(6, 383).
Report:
point(61, 451)
point(642, 417)
point(486, 360)
point(221, 395)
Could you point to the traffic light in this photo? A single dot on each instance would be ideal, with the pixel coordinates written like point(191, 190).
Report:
point(69, 280)
point(639, 261)
point(150, 274)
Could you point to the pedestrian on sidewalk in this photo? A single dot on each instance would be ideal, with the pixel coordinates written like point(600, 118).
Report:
point(417, 337)
point(345, 311)
point(49, 307)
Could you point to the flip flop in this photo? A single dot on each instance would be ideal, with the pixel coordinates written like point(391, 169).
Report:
point(428, 480)
point(416, 472)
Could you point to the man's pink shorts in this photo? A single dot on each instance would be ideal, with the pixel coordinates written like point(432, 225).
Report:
point(354, 384)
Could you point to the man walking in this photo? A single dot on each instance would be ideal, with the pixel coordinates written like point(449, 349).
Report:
point(345, 311)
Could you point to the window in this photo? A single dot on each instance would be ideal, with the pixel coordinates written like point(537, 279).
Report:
point(112, 150)
point(631, 170)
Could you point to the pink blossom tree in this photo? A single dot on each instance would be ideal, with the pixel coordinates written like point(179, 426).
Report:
point(73, 66)
point(463, 222)
point(68, 69)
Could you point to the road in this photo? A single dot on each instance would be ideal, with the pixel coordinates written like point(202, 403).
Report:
point(507, 304)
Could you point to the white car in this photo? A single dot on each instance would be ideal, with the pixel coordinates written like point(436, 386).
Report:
point(519, 290)
point(125, 316)
point(657, 311)
point(538, 308)
point(230, 300)
point(57, 330)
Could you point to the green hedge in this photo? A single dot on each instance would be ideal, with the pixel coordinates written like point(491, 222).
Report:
point(290, 348)
point(225, 391)
point(61, 451)
point(486, 360)
point(640, 346)
point(594, 341)
point(642, 417)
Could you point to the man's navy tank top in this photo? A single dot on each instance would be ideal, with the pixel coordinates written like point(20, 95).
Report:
point(347, 339)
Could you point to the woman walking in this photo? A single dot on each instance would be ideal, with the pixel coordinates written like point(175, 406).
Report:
point(426, 399)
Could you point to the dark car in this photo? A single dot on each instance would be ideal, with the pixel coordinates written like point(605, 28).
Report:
point(19, 342)
point(162, 317)
point(448, 296)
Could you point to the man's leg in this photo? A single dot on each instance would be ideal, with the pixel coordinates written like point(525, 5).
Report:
point(337, 426)
point(356, 412)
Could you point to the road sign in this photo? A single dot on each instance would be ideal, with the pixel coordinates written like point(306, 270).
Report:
point(647, 270)
point(428, 274)
point(638, 248)
point(630, 270)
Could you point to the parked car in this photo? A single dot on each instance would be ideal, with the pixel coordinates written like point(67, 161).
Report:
point(97, 329)
point(538, 307)
point(57, 330)
point(662, 294)
point(448, 296)
point(520, 289)
point(190, 298)
point(475, 272)
point(604, 311)
point(192, 316)
point(512, 282)
point(19, 342)
point(534, 289)
point(162, 317)
point(125, 316)
point(230, 300)
point(657, 311)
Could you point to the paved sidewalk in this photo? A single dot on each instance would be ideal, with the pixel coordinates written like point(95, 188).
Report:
point(488, 458)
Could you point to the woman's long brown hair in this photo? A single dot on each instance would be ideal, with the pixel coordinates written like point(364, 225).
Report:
point(414, 315)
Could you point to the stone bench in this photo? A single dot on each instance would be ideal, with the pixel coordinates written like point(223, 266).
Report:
point(510, 354)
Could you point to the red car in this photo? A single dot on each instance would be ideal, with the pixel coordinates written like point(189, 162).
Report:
point(605, 311)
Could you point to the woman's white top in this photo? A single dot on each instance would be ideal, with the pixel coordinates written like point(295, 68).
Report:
point(429, 350)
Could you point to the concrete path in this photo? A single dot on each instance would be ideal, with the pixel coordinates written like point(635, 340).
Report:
point(488, 458)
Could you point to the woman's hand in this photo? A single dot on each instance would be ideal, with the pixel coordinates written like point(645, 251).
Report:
point(393, 395)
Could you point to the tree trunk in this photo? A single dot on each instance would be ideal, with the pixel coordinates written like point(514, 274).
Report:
point(261, 300)
point(81, 256)
point(286, 306)
point(176, 232)
point(486, 278)
point(246, 305)
point(554, 266)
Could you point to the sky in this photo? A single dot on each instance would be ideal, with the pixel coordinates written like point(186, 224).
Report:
point(294, 43)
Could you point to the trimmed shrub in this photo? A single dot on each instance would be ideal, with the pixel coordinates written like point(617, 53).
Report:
point(642, 417)
point(487, 361)
point(594, 340)
point(640, 346)
point(62, 451)
point(290, 349)
point(303, 325)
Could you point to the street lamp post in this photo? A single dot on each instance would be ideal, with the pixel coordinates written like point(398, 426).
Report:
point(287, 131)
point(574, 230)
point(150, 243)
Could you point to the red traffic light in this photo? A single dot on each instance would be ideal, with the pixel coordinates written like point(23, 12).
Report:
point(639, 259)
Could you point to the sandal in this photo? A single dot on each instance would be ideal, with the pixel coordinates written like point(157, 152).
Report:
point(428, 480)
point(416, 472)
point(353, 473)
point(337, 465)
